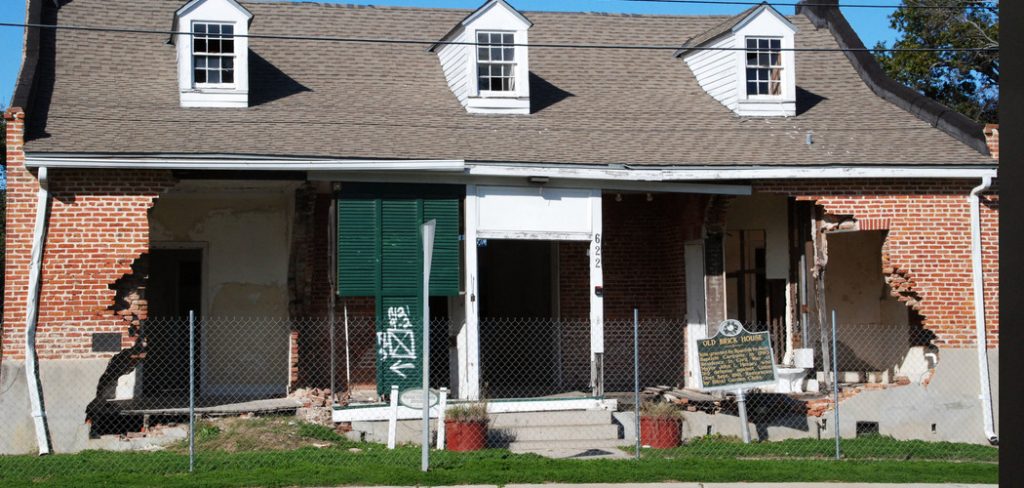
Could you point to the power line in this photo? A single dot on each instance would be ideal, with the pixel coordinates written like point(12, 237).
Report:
point(979, 3)
point(370, 40)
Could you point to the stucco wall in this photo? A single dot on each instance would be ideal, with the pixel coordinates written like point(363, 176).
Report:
point(244, 229)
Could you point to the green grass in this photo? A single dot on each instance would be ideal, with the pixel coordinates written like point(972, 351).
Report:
point(861, 448)
point(281, 451)
point(375, 465)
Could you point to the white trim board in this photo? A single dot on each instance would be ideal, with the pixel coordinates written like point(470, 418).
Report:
point(623, 173)
point(380, 412)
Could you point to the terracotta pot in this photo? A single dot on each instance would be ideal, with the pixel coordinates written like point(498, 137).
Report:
point(465, 436)
point(660, 433)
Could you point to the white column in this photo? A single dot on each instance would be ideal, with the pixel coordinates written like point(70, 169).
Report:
point(596, 281)
point(468, 341)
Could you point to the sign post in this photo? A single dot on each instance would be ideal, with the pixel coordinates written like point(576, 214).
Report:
point(428, 251)
point(736, 359)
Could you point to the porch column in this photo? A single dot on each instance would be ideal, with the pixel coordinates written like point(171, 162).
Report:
point(596, 298)
point(468, 340)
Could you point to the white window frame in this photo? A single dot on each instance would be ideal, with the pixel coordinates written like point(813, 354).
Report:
point(233, 55)
point(514, 64)
point(781, 66)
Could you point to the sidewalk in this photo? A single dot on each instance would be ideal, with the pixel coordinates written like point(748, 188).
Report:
point(725, 485)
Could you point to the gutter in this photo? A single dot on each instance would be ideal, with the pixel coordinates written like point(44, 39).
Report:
point(979, 312)
point(35, 392)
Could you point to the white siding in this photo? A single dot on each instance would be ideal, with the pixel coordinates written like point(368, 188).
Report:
point(454, 59)
point(716, 71)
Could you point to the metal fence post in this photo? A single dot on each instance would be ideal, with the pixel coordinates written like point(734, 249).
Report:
point(191, 390)
point(835, 381)
point(636, 378)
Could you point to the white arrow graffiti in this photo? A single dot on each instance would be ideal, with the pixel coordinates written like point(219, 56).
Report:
point(399, 366)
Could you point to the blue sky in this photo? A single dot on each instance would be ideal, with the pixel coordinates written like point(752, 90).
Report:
point(871, 24)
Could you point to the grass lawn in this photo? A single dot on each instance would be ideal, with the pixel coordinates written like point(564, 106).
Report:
point(245, 457)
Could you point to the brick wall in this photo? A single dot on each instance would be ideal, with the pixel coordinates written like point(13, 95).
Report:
point(643, 258)
point(98, 228)
point(992, 139)
point(928, 247)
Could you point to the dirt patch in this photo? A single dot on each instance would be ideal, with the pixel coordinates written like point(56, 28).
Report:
point(238, 434)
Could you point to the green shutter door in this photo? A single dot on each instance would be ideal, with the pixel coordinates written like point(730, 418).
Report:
point(380, 254)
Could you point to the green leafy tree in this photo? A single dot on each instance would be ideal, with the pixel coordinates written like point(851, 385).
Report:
point(965, 81)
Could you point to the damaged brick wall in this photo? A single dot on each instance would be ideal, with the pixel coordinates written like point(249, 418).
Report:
point(98, 228)
point(928, 246)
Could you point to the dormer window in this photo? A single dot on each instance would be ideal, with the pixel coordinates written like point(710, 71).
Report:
point(486, 60)
point(764, 66)
point(213, 54)
point(749, 66)
point(496, 62)
point(212, 43)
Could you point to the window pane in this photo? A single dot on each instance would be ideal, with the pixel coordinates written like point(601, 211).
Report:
point(506, 70)
point(199, 45)
point(751, 58)
point(751, 43)
point(229, 76)
point(776, 43)
point(762, 43)
point(751, 74)
point(213, 62)
point(496, 53)
point(481, 37)
point(483, 54)
point(507, 39)
point(510, 54)
point(200, 61)
point(762, 75)
point(213, 29)
point(227, 29)
point(751, 88)
point(776, 88)
point(776, 59)
point(213, 46)
point(200, 28)
point(228, 63)
point(200, 75)
point(762, 59)
point(214, 76)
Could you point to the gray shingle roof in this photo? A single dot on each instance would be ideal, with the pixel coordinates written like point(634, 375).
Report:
point(716, 31)
point(117, 94)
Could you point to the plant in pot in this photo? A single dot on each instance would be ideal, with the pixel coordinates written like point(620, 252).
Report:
point(465, 426)
point(660, 425)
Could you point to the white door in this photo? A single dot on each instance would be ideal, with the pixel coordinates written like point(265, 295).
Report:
point(696, 314)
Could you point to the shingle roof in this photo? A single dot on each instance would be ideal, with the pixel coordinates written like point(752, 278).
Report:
point(117, 94)
point(716, 31)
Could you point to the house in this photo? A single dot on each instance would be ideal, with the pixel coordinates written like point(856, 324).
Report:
point(270, 162)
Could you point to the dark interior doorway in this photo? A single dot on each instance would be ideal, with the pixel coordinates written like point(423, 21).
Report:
point(519, 330)
point(173, 289)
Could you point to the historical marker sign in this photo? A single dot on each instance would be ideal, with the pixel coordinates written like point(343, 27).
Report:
point(735, 358)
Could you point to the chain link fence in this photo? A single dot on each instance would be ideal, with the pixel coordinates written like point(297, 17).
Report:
point(348, 389)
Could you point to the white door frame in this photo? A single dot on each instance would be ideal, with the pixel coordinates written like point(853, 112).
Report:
point(468, 340)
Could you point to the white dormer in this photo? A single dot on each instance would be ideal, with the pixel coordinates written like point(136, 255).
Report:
point(213, 62)
point(753, 73)
point(492, 77)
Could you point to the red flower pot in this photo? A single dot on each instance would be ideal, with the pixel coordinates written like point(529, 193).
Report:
point(465, 436)
point(660, 433)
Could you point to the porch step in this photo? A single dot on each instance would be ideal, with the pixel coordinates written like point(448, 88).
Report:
point(543, 419)
point(566, 445)
point(580, 433)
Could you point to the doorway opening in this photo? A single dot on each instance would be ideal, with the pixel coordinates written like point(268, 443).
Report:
point(520, 334)
point(173, 289)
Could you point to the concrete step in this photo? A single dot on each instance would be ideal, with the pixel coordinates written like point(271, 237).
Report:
point(557, 433)
point(531, 446)
point(540, 419)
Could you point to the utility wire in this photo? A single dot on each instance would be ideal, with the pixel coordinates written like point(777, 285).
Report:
point(978, 3)
point(370, 40)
